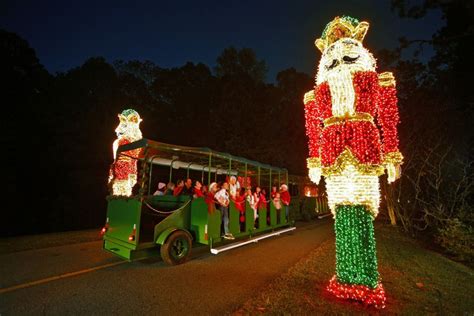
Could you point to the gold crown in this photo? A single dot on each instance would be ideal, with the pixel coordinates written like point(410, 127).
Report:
point(342, 27)
point(130, 115)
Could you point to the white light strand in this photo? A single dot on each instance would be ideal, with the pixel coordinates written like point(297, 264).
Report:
point(353, 187)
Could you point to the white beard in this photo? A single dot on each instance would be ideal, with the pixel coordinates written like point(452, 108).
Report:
point(342, 91)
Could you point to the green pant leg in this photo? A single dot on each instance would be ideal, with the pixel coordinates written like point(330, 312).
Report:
point(356, 261)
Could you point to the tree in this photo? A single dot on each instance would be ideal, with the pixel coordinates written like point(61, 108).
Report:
point(240, 63)
point(435, 194)
point(25, 96)
point(292, 86)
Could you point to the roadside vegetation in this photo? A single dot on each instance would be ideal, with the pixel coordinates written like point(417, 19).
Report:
point(417, 281)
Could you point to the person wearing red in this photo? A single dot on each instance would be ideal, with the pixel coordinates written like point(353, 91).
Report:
point(197, 193)
point(260, 197)
point(239, 201)
point(179, 187)
point(285, 199)
point(209, 198)
point(274, 192)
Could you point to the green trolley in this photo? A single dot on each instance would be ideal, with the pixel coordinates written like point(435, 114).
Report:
point(144, 225)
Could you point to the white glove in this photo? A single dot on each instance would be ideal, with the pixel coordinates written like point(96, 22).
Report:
point(132, 180)
point(315, 174)
point(393, 172)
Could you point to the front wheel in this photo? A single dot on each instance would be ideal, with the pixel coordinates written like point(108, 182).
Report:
point(177, 248)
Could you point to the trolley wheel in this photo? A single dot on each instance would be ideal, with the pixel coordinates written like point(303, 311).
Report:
point(177, 248)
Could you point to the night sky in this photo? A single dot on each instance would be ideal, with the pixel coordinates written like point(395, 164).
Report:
point(173, 32)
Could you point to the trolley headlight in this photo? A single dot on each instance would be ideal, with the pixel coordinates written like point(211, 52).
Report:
point(132, 235)
point(105, 228)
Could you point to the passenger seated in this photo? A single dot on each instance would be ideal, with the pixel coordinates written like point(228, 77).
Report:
point(188, 188)
point(161, 189)
point(197, 190)
point(179, 187)
point(169, 188)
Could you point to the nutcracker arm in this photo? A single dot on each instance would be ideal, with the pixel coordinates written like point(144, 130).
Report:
point(388, 118)
point(387, 111)
point(313, 123)
point(392, 162)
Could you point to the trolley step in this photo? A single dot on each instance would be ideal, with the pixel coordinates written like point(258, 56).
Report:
point(255, 239)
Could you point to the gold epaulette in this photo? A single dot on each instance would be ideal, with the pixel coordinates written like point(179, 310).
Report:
point(386, 79)
point(308, 97)
point(394, 157)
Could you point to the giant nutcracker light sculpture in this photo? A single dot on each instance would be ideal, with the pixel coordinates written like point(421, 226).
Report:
point(123, 172)
point(351, 122)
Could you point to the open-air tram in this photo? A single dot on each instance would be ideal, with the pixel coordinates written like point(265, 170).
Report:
point(145, 225)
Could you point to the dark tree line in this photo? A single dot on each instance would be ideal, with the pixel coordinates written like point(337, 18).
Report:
point(58, 128)
point(434, 199)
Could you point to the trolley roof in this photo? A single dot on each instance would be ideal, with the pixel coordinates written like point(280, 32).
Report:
point(152, 150)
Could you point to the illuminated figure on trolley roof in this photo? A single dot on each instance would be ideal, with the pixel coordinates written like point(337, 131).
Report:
point(123, 172)
point(351, 122)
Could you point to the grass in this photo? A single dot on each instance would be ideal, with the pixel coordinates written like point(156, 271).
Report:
point(417, 282)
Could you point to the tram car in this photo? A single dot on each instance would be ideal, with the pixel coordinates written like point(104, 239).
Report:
point(144, 225)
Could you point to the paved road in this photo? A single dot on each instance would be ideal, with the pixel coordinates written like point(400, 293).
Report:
point(207, 284)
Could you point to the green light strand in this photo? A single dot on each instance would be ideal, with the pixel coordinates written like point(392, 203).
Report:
point(356, 261)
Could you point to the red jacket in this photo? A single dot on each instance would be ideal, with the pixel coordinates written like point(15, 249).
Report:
point(198, 193)
point(211, 203)
point(177, 190)
point(285, 197)
point(239, 203)
point(261, 201)
point(375, 104)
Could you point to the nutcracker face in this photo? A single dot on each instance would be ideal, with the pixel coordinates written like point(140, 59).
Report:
point(345, 56)
point(129, 126)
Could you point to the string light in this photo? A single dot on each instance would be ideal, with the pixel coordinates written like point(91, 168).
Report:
point(351, 121)
point(353, 188)
point(356, 262)
point(123, 172)
point(374, 297)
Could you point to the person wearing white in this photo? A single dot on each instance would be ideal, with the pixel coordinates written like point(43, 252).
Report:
point(252, 202)
point(161, 187)
point(234, 185)
point(222, 198)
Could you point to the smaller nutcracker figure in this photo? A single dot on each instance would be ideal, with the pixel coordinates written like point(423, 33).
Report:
point(123, 171)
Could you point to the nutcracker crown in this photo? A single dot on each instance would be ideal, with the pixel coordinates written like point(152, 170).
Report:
point(130, 116)
point(342, 27)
